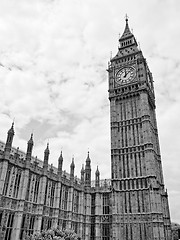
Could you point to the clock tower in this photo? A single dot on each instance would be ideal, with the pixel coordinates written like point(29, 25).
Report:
point(139, 200)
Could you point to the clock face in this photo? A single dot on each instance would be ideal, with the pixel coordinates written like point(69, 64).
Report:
point(125, 75)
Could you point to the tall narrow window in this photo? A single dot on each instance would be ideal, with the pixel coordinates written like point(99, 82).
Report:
point(9, 226)
point(31, 225)
point(36, 189)
point(93, 228)
point(22, 226)
point(28, 187)
point(17, 183)
point(75, 201)
point(143, 198)
point(42, 224)
point(135, 159)
point(126, 231)
point(138, 202)
point(105, 232)
point(1, 214)
point(64, 197)
point(140, 232)
point(130, 210)
point(7, 180)
point(105, 203)
point(127, 157)
point(93, 204)
point(145, 233)
point(64, 224)
point(125, 202)
point(49, 223)
point(52, 194)
point(45, 195)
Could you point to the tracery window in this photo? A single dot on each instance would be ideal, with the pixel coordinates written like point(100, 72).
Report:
point(64, 199)
point(52, 194)
point(49, 223)
point(45, 194)
point(27, 225)
point(17, 183)
point(49, 193)
point(28, 187)
point(33, 188)
point(75, 201)
point(93, 204)
point(5, 189)
point(11, 180)
point(9, 226)
point(106, 231)
point(36, 189)
point(31, 225)
point(105, 203)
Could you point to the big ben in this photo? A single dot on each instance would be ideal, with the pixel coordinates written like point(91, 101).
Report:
point(139, 200)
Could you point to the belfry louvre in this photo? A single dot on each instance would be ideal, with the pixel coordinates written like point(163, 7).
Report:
point(133, 204)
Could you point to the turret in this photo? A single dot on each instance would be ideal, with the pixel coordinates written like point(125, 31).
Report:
point(29, 148)
point(72, 166)
point(97, 178)
point(46, 157)
point(9, 140)
point(82, 174)
point(60, 163)
point(88, 172)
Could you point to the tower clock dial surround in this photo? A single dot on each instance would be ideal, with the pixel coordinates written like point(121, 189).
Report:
point(125, 75)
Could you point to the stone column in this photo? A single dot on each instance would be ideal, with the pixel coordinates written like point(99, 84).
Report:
point(88, 214)
point(16, 226)
point(56, 203)
point(37, 224)
point(98, 213)
point(81, 212)
point(24, 184)
point(41, 196)
point(70, 205)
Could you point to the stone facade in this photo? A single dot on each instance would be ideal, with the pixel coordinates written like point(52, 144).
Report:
point(140, 202)
point(133, 204)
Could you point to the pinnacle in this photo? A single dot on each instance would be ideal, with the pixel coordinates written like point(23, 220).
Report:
point(82, 169)
point(11, 130)
point(97, 171)
point(31, 139)
point(88, 158)
point(72, 164)
point(61, 157)
point(127, 32)
point(47, 148)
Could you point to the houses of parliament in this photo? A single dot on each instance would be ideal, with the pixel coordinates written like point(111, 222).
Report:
point(132, 205)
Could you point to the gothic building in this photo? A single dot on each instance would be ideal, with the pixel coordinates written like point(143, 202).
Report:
point(132, 205)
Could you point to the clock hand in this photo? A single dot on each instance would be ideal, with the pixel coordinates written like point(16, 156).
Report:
point(126, 73)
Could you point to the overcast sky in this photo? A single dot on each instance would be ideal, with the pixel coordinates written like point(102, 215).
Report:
point(53, 79)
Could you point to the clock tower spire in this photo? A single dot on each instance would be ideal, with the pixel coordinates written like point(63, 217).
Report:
point(140, 199)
